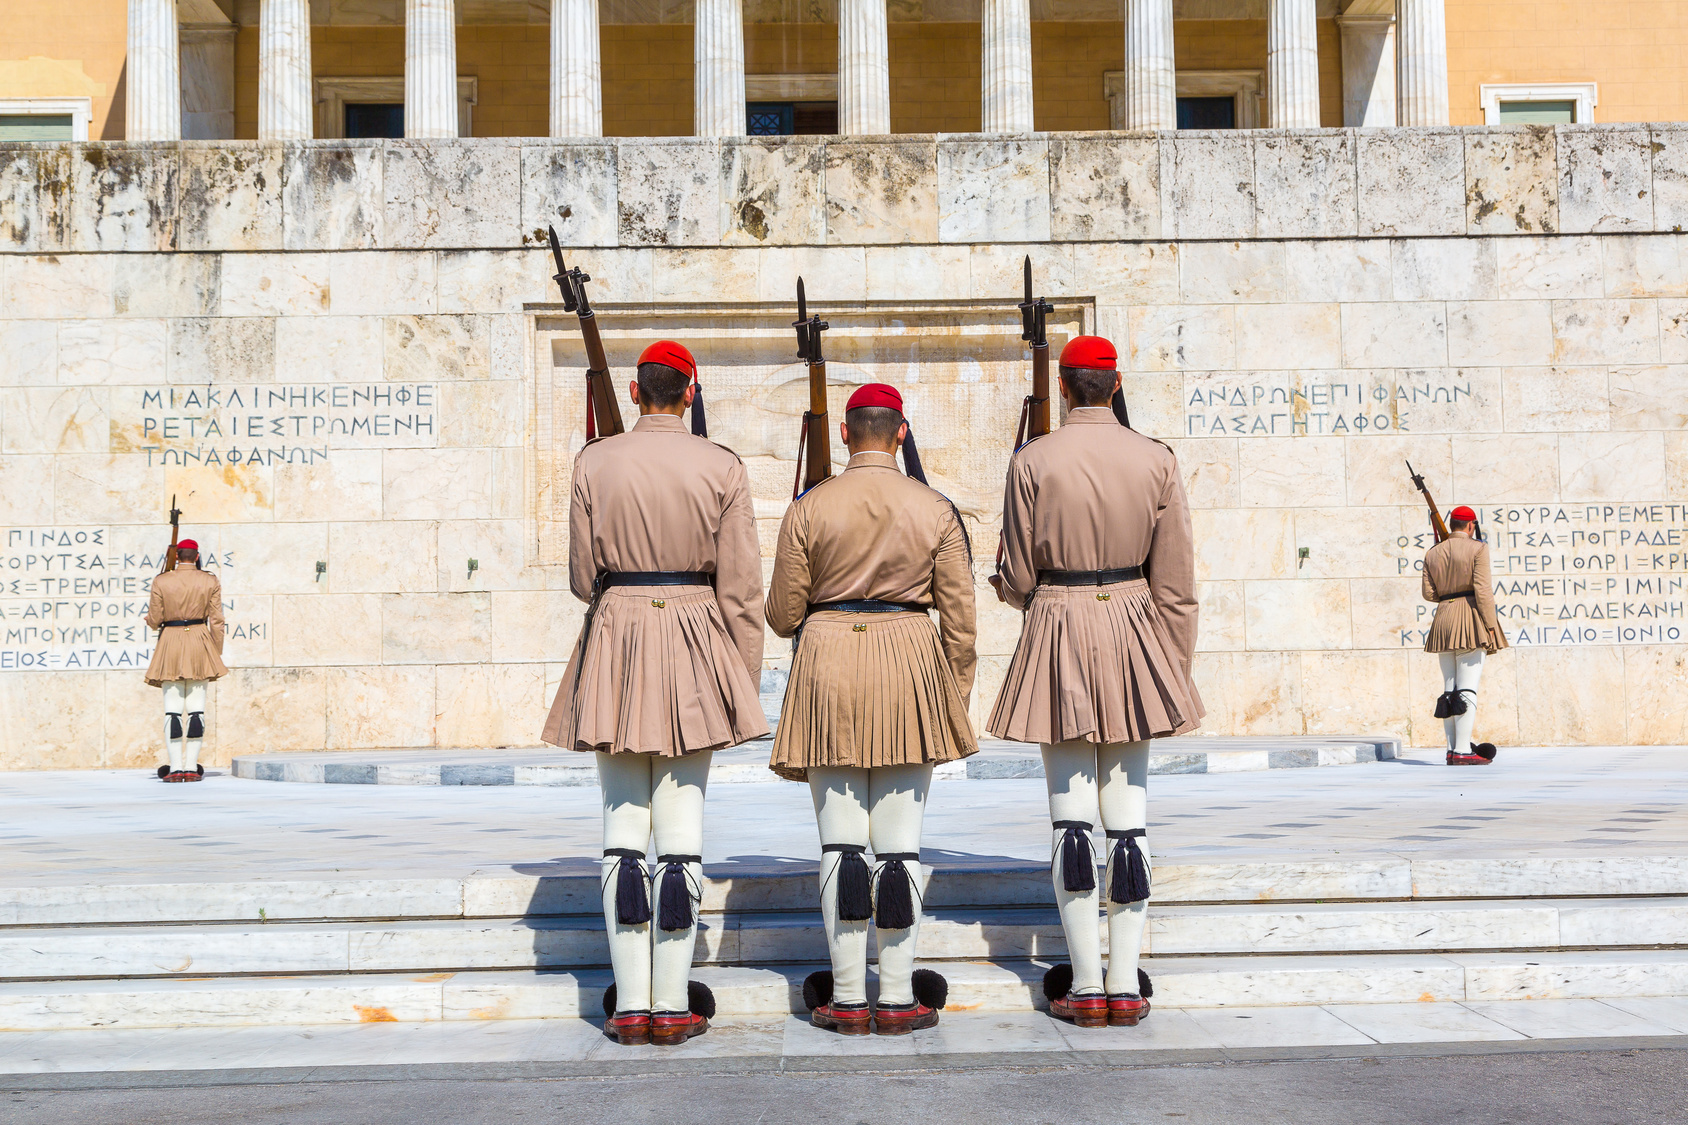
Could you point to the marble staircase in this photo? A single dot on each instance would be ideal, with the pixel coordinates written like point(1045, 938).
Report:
point(505, 945)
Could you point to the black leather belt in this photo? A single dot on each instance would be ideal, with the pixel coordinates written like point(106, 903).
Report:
point(1454, 597)
point(1089, 577)
point(195, 621)
point(655, 578)
point(869, 605)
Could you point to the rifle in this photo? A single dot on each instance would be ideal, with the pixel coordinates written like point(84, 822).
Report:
point(814, 435)
point(603, 414)
point(1436, 524)
point(1034, 412)
point(175, 533)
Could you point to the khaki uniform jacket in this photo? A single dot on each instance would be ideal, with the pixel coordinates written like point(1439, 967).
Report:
point(1460, 564)
point(186, 652)
point(873, 689)
point(1105, 664)
point(671, 669)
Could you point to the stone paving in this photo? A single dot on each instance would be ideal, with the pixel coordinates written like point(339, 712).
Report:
point(124, 826)
point(796, 1042)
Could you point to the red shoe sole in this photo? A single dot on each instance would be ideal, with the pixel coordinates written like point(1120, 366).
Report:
point(674, 1038)
point(843, 1027)
point(903, 1027)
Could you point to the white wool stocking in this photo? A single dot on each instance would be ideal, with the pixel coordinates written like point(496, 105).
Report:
point(647, 795)
point(184, 701)
point(1461, 671)
point(882, 808)
point(1105, 785)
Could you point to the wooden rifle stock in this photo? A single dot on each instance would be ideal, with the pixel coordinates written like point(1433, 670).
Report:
point(175, 534)
point(1436, 523)
point(603, 418)
point(816, 434)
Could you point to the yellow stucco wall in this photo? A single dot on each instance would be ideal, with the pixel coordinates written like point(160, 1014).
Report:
point(47, 51)
point(1637, 50)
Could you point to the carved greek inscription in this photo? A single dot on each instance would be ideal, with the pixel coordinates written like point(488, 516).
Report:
point(1295, 405)
point(1577, 574)
point(281, 424)
point(72, 601)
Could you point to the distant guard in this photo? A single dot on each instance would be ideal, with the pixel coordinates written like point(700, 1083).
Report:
point(663, 549)
point(1098, 552)
point(877, 697)
point(1465, 628)
point(187, 610)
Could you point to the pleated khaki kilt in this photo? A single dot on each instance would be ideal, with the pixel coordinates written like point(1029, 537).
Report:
point(185, 652)
point(867, 690)
point(1457, 627)
point(1094, 662)
point(658, 674)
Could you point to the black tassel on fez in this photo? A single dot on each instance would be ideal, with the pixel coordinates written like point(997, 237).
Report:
point(896, 891)
point(700, 424)
point(855, 883)
point(632, 897)
point(1117, 403)
point(1131, 871)
point(674, 893)
point(911, 457)
point(1078, 865)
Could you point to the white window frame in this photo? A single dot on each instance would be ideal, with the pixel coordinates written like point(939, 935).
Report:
point(81, 111)
point(1246, 87)
point(1586, 95)
point(333, 93)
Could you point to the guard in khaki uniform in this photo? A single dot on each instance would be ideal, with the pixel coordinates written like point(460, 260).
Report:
point(662, 546)
point(186, 608)
point(877, 697)
point(1456, 578)
point(1098, 553)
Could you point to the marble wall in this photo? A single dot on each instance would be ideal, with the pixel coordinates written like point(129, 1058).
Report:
point(345, 360)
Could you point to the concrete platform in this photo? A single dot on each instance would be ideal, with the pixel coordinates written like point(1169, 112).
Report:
point(749, 764)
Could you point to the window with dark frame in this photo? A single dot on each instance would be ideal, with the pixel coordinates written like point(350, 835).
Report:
point(1207, 113)
point(374, 119)
point(785, 119)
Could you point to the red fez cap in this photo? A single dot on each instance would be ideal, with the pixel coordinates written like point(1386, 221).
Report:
point(1090, 351)
point(187, 545)
point(876, 394)
point(1463, 514)
point(673, 355)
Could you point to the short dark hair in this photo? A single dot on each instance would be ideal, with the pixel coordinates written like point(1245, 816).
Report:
point(662, 386)
point(876, 424)
point(187, 554)
point(1089, 387)
point(1458, 525)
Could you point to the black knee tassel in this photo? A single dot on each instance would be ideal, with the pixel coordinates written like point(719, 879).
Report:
point(632, 897)
point(196, 725)
point(855, 884)
point(175, 724)
point(674, 894)
point(1078, 865)
point(896, 890)
point(1130, 881)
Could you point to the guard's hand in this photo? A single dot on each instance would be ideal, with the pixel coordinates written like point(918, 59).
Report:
point(996, 584)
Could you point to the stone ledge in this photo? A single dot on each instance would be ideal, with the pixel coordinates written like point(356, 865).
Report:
point(916, 188)
point(996, 759)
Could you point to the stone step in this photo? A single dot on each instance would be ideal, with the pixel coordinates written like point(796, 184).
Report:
point(741, 938)
point(571, 887)
point(548, 765)
point(1009, 985)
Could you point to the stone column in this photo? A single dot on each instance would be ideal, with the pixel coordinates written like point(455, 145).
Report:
point(718, 69)
point(864, 68)
point(1007, 26)
point(1368, 70)
point(1423, 59)
point(285, 105)
point(1151, 76)
point(430, 69)
point(152, 104)
point(1292, 65)
point(577, 87)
